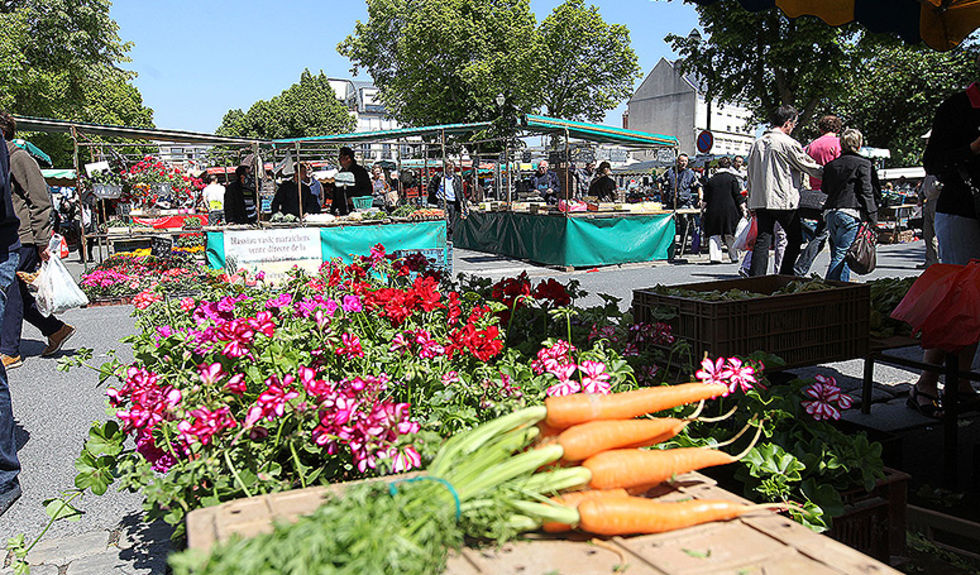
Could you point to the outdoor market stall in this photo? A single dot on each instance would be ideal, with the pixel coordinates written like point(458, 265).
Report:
point(316, 238)
point(604, 234)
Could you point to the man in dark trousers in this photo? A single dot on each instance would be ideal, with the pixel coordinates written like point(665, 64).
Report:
point(9, 258)
point(240, 198)
point(32, 205)
point(449, 192)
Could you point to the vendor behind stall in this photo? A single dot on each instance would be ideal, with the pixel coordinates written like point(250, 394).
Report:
point(240, 201)
point(546, 183)
point(362, 183)
point(603, 186)
point(286, 199)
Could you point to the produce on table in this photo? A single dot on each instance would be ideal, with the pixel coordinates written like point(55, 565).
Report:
point(427, 214)
point(486, 481)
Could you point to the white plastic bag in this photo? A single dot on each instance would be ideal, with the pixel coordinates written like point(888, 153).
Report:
point(742, 235)
point(56, 289)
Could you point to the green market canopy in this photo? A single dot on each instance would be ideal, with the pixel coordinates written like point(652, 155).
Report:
point(941, 24)
point(597, 132)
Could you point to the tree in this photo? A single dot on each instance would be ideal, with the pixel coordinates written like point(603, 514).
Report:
point(60, 59)
point(444, 61)
point(892, 96)
point(763, 59)
point(308, 108)
point(591, 66)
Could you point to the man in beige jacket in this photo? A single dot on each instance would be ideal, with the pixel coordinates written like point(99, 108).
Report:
point(775, 166)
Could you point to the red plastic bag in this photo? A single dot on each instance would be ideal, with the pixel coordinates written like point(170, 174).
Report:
point(944, 305)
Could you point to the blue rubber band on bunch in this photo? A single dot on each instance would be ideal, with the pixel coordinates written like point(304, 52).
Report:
point(392, 490)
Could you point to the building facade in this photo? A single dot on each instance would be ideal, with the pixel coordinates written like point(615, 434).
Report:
point(361, 99)
point(671, 103)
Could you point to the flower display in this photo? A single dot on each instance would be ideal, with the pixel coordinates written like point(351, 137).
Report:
point(141, 176)
point(348, 372)
point(731, 372)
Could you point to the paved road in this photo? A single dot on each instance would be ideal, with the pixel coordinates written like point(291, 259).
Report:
point(54, 410)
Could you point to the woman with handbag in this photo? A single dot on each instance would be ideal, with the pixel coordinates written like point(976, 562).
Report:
point(850, 201)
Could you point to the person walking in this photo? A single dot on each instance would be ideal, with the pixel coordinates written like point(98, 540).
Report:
point(824, 149)
point(928, 196)
point(32, 205)
point(9, 258)
point(775, 164)
point(447, 190)
point(723, 208)
point(850, 201)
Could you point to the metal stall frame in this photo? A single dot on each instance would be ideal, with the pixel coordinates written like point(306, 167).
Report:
point(143, 137)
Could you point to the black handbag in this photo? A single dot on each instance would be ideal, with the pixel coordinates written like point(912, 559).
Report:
point(862, 256)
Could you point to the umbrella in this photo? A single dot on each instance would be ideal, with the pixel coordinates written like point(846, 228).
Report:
point(33, 150)
point(941, 24)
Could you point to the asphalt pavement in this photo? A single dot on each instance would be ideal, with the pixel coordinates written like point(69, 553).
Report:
point(54, 410)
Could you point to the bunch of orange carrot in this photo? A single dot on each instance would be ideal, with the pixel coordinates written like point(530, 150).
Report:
point(601, 448)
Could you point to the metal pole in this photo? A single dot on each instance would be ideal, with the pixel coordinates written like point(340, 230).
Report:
point(568, 169)
point(83, 247)
point(398, 153)
point(442, 137)
point(299, 183)
point(507, 167)
point(259, 170)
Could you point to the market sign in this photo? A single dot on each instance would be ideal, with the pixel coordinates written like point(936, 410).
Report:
point(273, 251)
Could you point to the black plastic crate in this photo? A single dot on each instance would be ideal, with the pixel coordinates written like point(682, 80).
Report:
point(804, 328)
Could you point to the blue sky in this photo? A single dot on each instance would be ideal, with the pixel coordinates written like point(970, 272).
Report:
point(196, 59)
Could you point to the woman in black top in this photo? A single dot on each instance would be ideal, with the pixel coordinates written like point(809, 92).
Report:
point(603, 187)
point(723, 202)
point(850, 200)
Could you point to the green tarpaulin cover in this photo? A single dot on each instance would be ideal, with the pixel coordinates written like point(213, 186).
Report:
point(578, 241)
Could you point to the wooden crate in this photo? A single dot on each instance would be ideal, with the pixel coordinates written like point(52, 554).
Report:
point(755, 544)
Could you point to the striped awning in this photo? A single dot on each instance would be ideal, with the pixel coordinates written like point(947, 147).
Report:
point(941, 24)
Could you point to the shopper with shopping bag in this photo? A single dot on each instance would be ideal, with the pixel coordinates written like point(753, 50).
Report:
point(953, 156)
point(31, 201)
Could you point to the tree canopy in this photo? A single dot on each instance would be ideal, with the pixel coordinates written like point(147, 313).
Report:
point(886, 89)
point(60, 59)
point(591, 66)
point(307, 108)
point(438, 61)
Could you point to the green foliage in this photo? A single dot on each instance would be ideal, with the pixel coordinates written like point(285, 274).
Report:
point(885, 88)
point(438, 61)
point(764, 59)
point(446, 61)
point(891, 95)
point(307, 108)
point(60, 59)
point(590, 64)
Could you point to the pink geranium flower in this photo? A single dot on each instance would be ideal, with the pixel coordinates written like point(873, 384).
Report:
point(825, 399)
point(210, 374)
point(714, 372)
point(594, 377)
point(565, 387)
point(740, 376)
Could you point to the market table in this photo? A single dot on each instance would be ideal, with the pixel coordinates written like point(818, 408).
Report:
point(762, 542)
point(580, 239)
point(277, 249)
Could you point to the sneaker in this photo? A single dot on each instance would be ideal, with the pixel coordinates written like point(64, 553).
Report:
point(10, 362)
point(58, 339)
point(8, 497)
point(743, 272)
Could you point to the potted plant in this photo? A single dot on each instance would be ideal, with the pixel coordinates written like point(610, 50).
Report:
point(106, 184)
